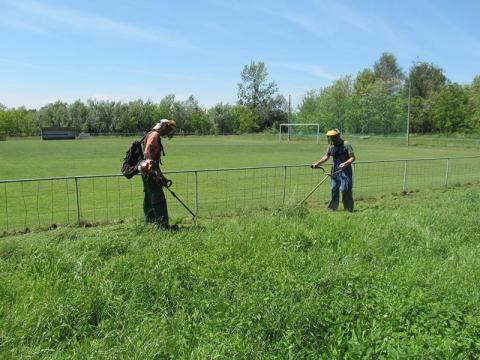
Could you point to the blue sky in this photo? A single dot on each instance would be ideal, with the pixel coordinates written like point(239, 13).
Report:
point(130, 49)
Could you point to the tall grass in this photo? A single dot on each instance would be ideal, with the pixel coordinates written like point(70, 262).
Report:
point(397, 279)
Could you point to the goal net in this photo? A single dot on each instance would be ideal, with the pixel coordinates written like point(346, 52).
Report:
point(289, 132)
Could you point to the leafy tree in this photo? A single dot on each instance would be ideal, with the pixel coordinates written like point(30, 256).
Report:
point(309, 110)
point(327, 106)
point(222, 117)
point(102, 115)
point(246, 119)
point(79, 114)
point(376, 111)
point(473, 92)
point(256, 92)
point(421, 117)
point(16, 121)
point(26, 122)
point(364, 82)
point(142, 115)
point(387, 70)
point(123, 122)
point(427, 80)
point(165, 109)
point(450, 109)
point(54, 114)
point(339, 98)
point(275, 113)
point(376, 104)
point(191, 117)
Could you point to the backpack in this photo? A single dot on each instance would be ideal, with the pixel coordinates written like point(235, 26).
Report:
point(133, 156)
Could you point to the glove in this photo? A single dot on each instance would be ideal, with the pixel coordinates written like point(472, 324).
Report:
point(144, 167)
point(167, 182)
point(162, 180)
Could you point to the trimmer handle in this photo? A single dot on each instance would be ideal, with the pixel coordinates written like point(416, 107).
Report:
point(317, 167)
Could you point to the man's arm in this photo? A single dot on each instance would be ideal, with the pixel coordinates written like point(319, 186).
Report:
point(351, 156)
point(323, 159)
point(350, 160)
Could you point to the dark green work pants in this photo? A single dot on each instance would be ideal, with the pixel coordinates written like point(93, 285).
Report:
point(154, 202)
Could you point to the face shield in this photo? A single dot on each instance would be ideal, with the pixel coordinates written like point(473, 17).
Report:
point(170, 131)
point(333, 136)
point(166, 128)
point(332, 140)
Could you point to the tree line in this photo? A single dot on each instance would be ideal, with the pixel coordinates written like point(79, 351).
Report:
point(259, 107)
point(376, 101)
point(379, 100)
point(130, 117)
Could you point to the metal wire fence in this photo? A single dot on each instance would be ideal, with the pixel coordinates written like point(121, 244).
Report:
point(29, 203)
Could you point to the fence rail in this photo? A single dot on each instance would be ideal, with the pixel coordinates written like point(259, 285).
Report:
point(26, 203)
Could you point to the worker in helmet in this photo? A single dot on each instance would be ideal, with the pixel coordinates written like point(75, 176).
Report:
point(342, 180)
point(154, 202)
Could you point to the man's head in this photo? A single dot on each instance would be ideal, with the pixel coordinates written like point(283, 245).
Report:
point(165, 127)
point(333, 136)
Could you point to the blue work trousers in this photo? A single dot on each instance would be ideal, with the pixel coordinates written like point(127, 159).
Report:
point(342, 182)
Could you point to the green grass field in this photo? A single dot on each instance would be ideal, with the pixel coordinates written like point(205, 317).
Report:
point(103, 155)
point(397, 279)
point(35, 204)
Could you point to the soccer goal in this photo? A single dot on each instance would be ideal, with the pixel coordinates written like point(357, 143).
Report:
point(299, 131)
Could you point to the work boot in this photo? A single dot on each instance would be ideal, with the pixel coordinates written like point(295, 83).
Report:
point(173, 227)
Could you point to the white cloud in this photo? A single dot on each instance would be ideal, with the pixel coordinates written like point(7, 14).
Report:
point(331, 21)
point(348, 15)
point(325, 18)
point(99, 24)
point(313, 70)
point(29, 65)
point(317, 28)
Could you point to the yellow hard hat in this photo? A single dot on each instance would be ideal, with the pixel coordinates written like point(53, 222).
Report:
point(171, 122)
point(164, 122)
point(333, 132)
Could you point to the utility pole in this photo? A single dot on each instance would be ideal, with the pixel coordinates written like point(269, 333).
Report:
point(289, 111)
point(408, 110)
point(409, 100)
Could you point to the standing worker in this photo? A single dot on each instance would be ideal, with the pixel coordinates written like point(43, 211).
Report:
point(342, 177)
point(154, 202)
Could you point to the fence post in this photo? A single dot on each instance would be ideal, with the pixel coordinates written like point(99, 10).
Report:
point(405, 175)
point(284, 184)
point(446, 173)
point(196, 192)
point(77, 199)
point(6, 203)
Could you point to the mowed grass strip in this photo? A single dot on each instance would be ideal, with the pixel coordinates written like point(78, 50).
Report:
point(397, 279)
point(35, 158)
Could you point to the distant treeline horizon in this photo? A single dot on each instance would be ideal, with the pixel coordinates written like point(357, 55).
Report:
point(378, 100)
